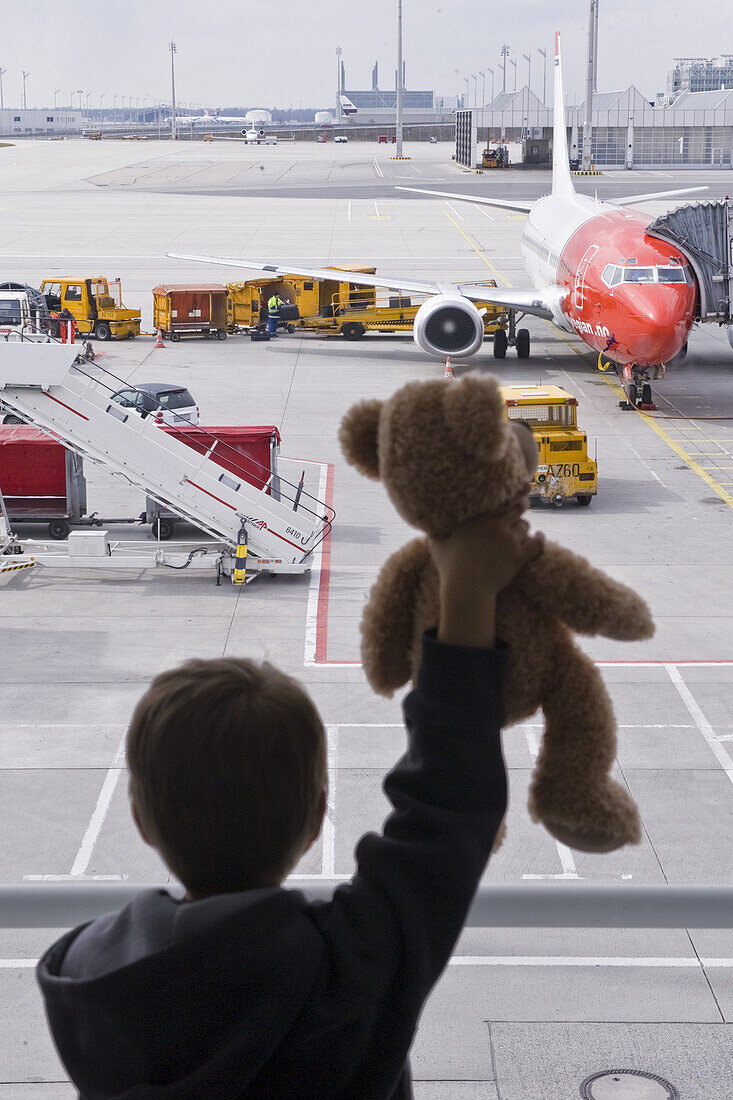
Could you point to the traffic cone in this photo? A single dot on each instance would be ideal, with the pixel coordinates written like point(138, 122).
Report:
point(159, 342)
point(448, 369)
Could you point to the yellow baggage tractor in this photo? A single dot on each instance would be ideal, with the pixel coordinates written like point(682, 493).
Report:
point(94, 303)
point(564, 470)
point(331, 307)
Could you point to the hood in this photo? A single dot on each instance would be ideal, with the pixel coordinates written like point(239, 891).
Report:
point(179, 999)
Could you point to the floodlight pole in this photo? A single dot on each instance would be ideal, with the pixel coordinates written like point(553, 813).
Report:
point(543, 54)
point(586, 162)
point(398, 108)
point(172, 48)
point(25, 77)
point(2, 74)
point(505, 55)
point(338, 83)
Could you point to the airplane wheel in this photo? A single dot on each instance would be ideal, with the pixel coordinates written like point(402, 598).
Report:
point(632, 393)
point(500, 344)
point(646, 394)
point(523, 343)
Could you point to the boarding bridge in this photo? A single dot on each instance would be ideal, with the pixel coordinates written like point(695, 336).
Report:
point(704, 234)
point(69, 397)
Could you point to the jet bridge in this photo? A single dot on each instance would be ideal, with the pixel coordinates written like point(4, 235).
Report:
point(704, 234)
point(69, 397)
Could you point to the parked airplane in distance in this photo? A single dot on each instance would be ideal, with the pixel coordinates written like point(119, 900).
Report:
point(595, 271)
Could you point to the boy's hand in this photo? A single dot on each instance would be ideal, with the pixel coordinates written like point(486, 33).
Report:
point(475, 562)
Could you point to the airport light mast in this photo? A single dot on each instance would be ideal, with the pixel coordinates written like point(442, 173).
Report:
point(25, 77)
point(339, 51)
point(398, 105)
point(543, 54)
point(590, 85)
point(505, 55)
point(172, 48)
point(2, 74)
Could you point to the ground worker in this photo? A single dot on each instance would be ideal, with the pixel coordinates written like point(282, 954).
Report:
point(273, 313)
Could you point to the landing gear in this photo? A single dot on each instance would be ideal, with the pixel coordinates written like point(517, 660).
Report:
point(646, 394)
point(632, 393)
point(500, 344)
point(523, 343)
point(637, 387)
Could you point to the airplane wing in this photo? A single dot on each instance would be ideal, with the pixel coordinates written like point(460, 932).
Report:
point(480, 200)
point(534, 300)
point(417, 286)
point(631, 200)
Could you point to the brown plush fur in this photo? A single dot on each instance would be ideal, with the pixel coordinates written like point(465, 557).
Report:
point(445, 454)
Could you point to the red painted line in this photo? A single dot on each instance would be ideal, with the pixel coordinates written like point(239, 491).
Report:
point(283, 539)
point(65, 406)
point(324, 582)
point(213, 497)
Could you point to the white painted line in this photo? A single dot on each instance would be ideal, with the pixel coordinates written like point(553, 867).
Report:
point(96, 821)
point(452, 207)
point(348, 211)
point(311, 615)
point(328, 859)
point(486, 214)
point(700, 720)
point(377, 169)
point(569, 870)
point(75, 878)
point(579, 960)
point(376, 210)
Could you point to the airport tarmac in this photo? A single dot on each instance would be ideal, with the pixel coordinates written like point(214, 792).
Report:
point(518, 1015)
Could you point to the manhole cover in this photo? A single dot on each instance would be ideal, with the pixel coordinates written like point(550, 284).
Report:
point(627, 1084)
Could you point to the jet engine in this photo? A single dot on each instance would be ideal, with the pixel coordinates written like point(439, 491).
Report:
point(448, 325)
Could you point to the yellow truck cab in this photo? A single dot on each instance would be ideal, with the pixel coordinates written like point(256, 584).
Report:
point(95, 304)
point(564, 470)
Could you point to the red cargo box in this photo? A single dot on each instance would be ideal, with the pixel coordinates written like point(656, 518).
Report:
point(33, 472)
point(249, 452)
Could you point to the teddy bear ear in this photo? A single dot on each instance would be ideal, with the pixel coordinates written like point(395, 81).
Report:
point(358, 436)
point(474, 410)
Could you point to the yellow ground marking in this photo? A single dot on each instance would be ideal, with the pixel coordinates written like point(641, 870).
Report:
point(478, 251)
point(664, 435)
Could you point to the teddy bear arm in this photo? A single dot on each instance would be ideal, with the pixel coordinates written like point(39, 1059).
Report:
point(388, 623)
point(586, 599)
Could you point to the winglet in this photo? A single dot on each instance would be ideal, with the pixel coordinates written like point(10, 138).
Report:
point(562, 183)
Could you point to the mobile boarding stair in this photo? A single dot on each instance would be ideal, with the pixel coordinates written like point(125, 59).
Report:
point(272, 529)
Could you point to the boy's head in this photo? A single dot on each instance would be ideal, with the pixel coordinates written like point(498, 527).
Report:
point(227, 763)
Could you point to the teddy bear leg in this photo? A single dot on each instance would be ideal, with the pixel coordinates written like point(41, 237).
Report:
point(572, 793)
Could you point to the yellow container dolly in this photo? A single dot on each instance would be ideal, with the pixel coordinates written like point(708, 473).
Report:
point(331, 307)
point(95, 304)
point(564, 471)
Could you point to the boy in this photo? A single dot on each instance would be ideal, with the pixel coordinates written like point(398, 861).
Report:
point(243, 988)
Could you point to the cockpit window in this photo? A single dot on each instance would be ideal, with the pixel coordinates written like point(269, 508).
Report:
point(670, 274)
point(613, 274)
point(639, 275)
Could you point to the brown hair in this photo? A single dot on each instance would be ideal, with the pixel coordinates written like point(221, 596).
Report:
point(227, 763)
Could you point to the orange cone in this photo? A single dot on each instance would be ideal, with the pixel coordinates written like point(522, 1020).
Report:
point(159, 342)
point(448, 369)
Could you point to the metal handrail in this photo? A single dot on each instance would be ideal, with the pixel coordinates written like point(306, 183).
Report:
point(546, 905)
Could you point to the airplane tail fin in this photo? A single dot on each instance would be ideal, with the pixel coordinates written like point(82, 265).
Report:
point(562, 183)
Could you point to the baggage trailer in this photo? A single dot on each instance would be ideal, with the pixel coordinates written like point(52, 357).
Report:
point(250, 453)
point(41, 481)
point(190, 308)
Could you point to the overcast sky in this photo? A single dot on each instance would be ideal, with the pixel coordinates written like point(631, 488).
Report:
point(281, 53)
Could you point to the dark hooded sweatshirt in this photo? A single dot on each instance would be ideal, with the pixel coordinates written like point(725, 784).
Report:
point(265, 994)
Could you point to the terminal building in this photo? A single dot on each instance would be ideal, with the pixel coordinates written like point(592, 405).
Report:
point(700, 74)
point(378, 105)
point(696, 131)
point(27, 122)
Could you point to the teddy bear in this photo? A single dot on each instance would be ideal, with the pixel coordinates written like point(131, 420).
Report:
point(445, 453)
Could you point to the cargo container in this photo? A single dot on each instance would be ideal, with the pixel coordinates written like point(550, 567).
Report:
point(188, 309)
point(40, 480)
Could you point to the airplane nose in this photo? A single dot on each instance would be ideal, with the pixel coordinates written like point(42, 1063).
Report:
point(659, 320)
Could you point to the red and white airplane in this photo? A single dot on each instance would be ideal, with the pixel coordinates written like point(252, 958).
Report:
point(595, 272)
